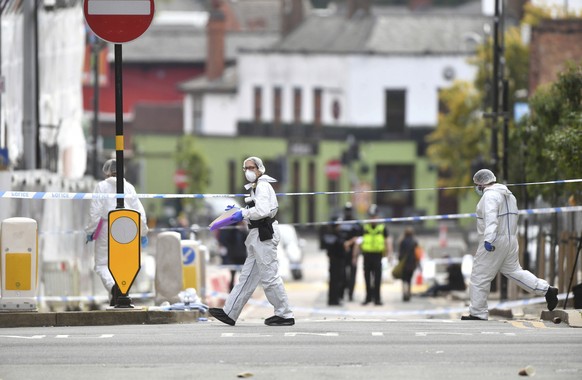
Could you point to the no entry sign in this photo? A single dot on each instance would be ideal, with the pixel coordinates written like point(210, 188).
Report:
point(118, 21)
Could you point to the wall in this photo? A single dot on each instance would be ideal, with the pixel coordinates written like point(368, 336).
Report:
point(358, 82)
point(159, 168)
point(553, 42)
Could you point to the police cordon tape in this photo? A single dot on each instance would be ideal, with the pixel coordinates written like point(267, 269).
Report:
point(85, 196)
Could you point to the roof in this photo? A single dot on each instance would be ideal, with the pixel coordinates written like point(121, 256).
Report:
point(227, 83)
point(385, 34)
point(187, 44)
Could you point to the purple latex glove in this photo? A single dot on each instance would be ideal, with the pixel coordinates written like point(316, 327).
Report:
point(237, 216)
point(489, 247)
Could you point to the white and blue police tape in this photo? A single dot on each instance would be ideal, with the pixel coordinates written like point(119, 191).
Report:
point(81, 196)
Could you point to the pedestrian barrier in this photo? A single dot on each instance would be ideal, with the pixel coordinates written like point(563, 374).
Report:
point(19, 242)
point(169, 274)
point(194, 266)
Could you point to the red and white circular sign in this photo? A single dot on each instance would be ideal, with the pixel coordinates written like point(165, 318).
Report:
point(333, 169)
point(118, 21)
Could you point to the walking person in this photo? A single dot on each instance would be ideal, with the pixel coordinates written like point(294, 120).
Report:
point(97, 229)
point(331, 240)
point(407, 253)
point(261, 263)
point(350, 233)
point(497, 216)
point(375, 245)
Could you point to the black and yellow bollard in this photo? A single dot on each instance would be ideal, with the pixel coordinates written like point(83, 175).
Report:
point(124, 251)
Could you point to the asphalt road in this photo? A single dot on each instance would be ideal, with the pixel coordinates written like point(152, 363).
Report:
point(421, 339)
point(321, 348)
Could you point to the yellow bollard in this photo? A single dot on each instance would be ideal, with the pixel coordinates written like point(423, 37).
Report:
point(19, 242)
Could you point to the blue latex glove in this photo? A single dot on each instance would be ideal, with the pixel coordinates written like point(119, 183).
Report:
point(237, 216)
point(489, 247)
point(144, 241)
point(88, 238)
point(229, 207)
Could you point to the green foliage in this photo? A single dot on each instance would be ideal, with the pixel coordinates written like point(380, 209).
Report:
point(194, 163)
point(553, 131)
point(459, 137)
point(462, 135)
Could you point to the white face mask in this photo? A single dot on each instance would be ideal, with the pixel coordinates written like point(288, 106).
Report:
point(479, 190)
point(250, 176)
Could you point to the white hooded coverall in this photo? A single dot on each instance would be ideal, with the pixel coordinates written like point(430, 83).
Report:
point(261, 263)
point(497, 216)
point(99, 211)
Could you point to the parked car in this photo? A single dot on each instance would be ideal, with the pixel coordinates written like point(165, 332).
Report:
point(290, 253)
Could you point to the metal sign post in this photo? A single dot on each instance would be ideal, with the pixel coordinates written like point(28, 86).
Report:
point(118, 22)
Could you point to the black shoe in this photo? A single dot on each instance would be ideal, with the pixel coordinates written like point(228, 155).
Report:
point(552, 298)
point(471, 318)
point(221, 316)
point(378, 303)
point(275, 320)
point(115, 293)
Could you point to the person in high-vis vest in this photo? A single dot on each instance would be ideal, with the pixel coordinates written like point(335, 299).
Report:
point(375, 244)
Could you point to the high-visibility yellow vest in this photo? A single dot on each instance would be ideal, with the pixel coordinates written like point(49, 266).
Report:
point(374, 240)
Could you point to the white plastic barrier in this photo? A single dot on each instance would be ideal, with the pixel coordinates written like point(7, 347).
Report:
point(19, 244)
point(194, 266)
point(168, 278)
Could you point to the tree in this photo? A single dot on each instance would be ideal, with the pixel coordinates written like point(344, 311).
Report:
point(194, 163)
point(553, 132)
point(459, 137)
point(462, 136)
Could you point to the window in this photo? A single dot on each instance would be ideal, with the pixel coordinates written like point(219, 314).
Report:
point(395, 110)
point(317, 95)
point(258, 102)
point(197, 114)
point(395, 177)
point(297, 105)
point(277, 100)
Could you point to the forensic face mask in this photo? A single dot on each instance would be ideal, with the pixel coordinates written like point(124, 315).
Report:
point(250, 176)
point(479, 190)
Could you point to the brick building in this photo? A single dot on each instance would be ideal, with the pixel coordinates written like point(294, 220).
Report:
point(553, 43)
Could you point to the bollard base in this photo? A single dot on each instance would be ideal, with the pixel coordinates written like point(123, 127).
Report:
point(124, 302)
point(8, 304)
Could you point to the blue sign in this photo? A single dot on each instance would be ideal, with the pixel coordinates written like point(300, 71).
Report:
point(188, 255)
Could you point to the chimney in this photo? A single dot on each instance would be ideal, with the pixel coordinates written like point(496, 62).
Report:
point(215, 31)
point(419, 5)
point(291, 15)
point(358, 7)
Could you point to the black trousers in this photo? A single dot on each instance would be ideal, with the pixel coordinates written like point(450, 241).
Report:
point(373, 276)
point(337, 265)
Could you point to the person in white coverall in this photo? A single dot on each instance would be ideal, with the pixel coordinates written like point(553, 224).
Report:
point(97, 229)
point(497, 216)
point(261, 264)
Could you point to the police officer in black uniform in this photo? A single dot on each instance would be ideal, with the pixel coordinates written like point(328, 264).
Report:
point(332, 241)
point(350, 231)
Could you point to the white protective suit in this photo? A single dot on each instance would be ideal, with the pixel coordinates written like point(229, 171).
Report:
point(100, 210)
point(497, 216)
point(261, 263)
